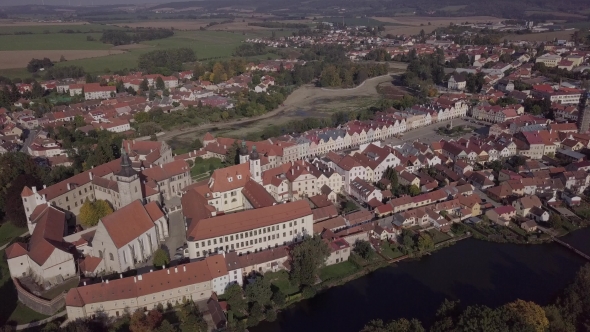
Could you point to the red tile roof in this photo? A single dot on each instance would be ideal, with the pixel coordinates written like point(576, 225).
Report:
point(15, 250)
point(247, 220)
point(127, 223)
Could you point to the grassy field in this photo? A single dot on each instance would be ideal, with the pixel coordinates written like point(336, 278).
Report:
point(8, 232)
point(337, 270)
point(53, 41)
point(44, 29)
point(206, 44)
point(542, 36)
point(280, 280)
point(202, 166)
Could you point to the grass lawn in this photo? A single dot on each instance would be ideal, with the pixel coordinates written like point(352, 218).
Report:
point(337, 270)
point(23, 314)
point(390, 251)
point(438, 236)
point(8, 232)
point(202, 166)
point(55, 291)
point(280, 280)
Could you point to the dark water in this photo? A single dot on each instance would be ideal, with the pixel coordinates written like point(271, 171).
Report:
point(475, 272)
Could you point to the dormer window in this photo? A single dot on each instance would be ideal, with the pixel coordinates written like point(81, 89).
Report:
point(239, 177)
point(230, 179)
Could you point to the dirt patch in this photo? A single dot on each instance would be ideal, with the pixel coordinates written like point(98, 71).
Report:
point(20, 59)
point(542, 36)
point(176, 24)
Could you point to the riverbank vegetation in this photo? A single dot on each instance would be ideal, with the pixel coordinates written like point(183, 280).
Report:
point(569, 312)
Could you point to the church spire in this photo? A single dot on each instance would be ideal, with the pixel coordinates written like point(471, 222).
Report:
point(126, 167)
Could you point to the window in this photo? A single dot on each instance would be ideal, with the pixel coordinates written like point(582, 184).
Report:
point(111, 257)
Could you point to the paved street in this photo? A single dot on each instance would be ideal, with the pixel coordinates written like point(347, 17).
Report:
point(176, 233)
point(428, 134)
point(483, 195)
point(30, 137)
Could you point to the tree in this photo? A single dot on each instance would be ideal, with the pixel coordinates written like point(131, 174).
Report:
point(154, 319)
point(161, 257)
point(307, 257)
point(138, 322)
point(271, 314)
point(144, 85)
point(364, 249)
point(15, 211)
point(399, 325)
point(235, 298)
point(278, 297)
point(92, 212)
point(525, 316)
point(414, 190)
point(259, 291)
point(231, 155)
point(425, 242)
point(481, 318)
point(166, 327)
point(555, 221)
point(160, 85)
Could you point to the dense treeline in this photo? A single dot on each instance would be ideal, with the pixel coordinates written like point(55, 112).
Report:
point(349, 74)
point(378, 54)
point(250, 49)
point(219, 71)
point(165, 62)
point(569, 313)
point(279, 25)
point(424, 71)
point(37, 64)
point(57, 73)
point(120, 37)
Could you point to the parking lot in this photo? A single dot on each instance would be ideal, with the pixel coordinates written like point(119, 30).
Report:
point(428, 134)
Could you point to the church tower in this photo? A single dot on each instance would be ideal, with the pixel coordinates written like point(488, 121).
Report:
point(127, 181)
point(243, 153)
point(255, 169)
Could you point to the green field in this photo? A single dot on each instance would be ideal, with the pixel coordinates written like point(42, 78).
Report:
point(54, 41)
point(8, 232)
point(206, 44)
point(44, 29)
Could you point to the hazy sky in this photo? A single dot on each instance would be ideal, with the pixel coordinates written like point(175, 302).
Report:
point(78, 2)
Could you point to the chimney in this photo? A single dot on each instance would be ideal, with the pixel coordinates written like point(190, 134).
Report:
point(292, 171)
point(84, 283)
point(161, 165)
point(69, 187)
point(151, 270)
point(107, 281)
point(90, 174)
point(34, 189)
point(44, 186)
point(184, 268)
point(168, 271)
point(135, 279)
point(120, 275)
point(139, 277)
point(175, 269)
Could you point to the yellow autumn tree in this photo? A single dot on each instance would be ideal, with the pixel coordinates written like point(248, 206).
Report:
point(525, 316)
point(92, 212)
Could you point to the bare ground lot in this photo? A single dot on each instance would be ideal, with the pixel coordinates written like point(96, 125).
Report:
point(307, 101)
point(20, 59)
point(542, 36)
point(411, 25)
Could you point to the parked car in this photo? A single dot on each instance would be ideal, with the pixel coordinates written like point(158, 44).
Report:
point(178, 256)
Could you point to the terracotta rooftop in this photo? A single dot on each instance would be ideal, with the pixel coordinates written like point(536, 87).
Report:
point(127, 223)
point(247, 220)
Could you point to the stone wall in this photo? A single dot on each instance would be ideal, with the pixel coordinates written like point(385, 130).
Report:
point(38, 304)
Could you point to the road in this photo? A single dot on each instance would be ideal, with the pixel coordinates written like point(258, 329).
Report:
point(30, 137)
point(176, 233)
point(302, 97)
